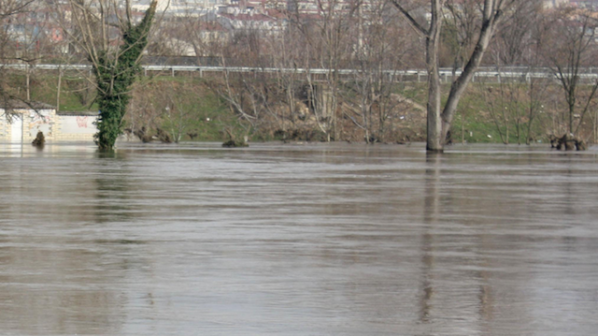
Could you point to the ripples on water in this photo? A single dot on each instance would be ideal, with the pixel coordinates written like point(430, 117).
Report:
point(298, 240)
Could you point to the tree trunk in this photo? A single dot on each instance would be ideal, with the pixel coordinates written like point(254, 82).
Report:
point(435, 141)
point(571, 112)
point(58, 89)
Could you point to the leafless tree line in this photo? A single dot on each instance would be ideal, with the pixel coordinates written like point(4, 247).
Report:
point(371, 36)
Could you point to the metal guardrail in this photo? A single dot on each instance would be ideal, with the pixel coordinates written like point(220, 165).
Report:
point(509, 72)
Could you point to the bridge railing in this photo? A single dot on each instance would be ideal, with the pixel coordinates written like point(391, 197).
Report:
point(484, 73)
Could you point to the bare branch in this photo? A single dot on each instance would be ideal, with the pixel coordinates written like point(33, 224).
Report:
point(416, 25)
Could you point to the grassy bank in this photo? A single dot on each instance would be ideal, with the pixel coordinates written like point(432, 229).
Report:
point(190, 108)
point(500, 113)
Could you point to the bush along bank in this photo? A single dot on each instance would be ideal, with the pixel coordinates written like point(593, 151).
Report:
point(203, 109)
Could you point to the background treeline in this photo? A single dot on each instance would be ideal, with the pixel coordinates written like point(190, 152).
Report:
point(372, 105)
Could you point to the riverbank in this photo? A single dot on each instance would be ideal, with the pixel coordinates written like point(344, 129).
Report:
point(212, 109)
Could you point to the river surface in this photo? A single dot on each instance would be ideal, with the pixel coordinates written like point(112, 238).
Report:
point(298, 240)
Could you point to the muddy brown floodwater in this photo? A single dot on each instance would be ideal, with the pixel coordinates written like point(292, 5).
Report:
point(298, 240)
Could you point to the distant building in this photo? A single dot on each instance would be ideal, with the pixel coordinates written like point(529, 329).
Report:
point(254, 22)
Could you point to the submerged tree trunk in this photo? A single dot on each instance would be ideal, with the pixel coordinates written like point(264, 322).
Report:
point(93, 27)
point(114, 78)
point(435, 142)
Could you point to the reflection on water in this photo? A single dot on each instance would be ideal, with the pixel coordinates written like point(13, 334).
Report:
point(430, 217)
point(298, 240)
point(112, 186)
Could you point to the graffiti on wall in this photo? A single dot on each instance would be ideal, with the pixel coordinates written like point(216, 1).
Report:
point(78, 124)
point(82, 122)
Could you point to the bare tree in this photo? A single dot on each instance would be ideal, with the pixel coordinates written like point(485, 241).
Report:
point(515, 103)
point(369, 98)
point(515, 38)
point(9, 42)
point(571, 51)
point(439, 119)
point(329, 43)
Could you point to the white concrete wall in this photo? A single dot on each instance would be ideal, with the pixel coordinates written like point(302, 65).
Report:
point(55, 127)
point(32, 122)
point(76, 128)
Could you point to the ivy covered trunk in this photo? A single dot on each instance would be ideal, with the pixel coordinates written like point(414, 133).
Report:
point(115, 76)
